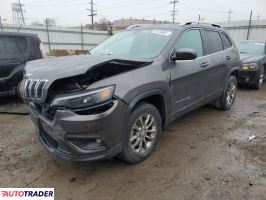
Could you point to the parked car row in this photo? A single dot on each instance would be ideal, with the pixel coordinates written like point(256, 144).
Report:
point(115, 101)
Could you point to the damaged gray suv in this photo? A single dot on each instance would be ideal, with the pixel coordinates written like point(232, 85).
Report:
point(115, 101)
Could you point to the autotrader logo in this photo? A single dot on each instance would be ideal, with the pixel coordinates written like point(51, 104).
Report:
point(26, 193)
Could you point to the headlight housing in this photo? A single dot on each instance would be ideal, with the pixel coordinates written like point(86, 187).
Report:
point(250, 66)
point(86, 99)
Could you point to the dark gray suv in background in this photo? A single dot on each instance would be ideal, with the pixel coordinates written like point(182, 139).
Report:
point(116, 100)
point(15, 50)
point(252, 63)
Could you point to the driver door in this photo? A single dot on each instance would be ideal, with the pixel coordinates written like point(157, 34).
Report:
point(185, 80)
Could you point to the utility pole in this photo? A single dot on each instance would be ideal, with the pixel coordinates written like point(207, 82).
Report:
point(48, 35)
point(82, 37)
point(249, 24)
point(174, 11)
point(110, 32)
point(1, 24)
point(199, 19)
point(230, 12)
point(21, 12)
point(92, 13)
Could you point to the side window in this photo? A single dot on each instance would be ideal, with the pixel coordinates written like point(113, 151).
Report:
point(214, 41)
point(21, 44)
point(226, 41)
point(12, 45)
point(192, 40)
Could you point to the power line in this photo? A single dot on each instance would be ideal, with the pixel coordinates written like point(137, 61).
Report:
point(92, 13)
point(174, 11)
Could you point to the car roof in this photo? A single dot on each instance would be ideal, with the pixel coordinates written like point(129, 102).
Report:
point(174, 26)
point(18, 34)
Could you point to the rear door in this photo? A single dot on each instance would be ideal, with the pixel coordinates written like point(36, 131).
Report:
point(214, 72)
point(230, 55)
point(11, 54)
point(184, 73)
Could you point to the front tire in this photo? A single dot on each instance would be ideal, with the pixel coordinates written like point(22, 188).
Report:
point(259, 82)
point(227, 99)
point(18, 95)
point(142, 133)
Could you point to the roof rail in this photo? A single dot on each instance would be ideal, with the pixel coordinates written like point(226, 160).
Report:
point(133, 26)
point(139, 25)
point(215, 25)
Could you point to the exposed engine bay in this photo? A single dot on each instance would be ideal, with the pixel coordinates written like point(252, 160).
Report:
point(79, 84)
point(96, 73)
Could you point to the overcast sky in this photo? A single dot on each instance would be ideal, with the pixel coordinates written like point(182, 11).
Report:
point(73, 12)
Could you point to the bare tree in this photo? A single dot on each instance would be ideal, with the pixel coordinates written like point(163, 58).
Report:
point(103, 24)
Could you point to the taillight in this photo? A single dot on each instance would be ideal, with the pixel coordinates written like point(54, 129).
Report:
point(42, 51)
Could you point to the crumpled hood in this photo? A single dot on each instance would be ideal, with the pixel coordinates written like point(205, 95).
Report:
point(250, 58)
point(52, 69)
point(65, 66)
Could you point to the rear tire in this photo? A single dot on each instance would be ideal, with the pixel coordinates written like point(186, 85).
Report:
point(142, 133)
point(227, 99)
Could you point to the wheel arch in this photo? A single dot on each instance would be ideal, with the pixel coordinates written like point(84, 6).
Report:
point(264, 66)
point(154, 97)
point(234, 72)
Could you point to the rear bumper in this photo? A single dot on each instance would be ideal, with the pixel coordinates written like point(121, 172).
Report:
point(82, 137)
point(248, 77)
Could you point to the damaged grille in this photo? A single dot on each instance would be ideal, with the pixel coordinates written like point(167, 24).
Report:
point(33, 89)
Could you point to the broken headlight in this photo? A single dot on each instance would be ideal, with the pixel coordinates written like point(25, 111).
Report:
point(85, 99)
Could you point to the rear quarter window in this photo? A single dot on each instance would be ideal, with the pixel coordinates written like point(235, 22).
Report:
point(214, 41)
point(10, 45)
point(226, 41)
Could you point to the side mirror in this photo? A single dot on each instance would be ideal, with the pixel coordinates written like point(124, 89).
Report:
point(184, 54)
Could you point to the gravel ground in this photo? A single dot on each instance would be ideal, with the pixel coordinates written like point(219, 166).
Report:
point(203, 155)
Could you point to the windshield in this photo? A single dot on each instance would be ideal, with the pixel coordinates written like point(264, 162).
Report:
point(251, 47)
point(135, 43)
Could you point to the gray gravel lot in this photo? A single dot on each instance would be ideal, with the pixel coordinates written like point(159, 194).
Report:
point(203, 155)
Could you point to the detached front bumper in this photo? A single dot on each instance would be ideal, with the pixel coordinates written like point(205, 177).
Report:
point(82, 137)
point(249, 77)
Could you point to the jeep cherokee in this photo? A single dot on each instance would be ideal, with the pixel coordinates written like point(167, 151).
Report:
point(116, 100)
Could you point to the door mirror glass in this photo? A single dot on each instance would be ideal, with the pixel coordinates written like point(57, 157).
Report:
point(185, 54)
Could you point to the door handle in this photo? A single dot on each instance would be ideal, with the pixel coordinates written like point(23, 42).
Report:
point(228, 58)
point(205, 64)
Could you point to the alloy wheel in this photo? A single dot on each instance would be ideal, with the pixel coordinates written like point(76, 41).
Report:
point(231, 93)
point(143, 134)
